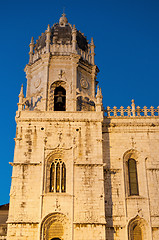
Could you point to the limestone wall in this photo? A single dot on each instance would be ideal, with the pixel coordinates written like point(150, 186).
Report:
point(137, 138)
point(76, 139)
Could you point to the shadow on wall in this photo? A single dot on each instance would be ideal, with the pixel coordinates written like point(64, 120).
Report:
point(107, 185)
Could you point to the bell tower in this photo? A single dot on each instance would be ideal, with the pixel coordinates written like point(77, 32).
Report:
point(61, 72)
point(57, 189)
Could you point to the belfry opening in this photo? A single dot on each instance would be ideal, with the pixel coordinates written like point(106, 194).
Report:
point(60, 99)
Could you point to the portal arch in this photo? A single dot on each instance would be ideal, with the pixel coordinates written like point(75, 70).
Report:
point(55, 226)
point(138, 229)
point(55, 239)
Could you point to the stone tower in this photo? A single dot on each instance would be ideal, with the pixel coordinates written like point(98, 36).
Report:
point(57, 190)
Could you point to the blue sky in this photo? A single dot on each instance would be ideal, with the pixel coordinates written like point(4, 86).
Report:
point(126, 35)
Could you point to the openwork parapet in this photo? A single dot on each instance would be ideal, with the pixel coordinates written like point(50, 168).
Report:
point(131, 111)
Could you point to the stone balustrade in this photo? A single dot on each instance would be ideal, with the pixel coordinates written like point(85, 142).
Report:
point(62, 50)
point(131, 111)
point(86, 56)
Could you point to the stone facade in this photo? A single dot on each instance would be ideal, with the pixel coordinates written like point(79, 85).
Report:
point(72, 177)
point(3, 218)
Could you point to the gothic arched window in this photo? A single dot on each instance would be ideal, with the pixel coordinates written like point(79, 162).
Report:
point(59, 99)
point(58, 176)
point(132, 173)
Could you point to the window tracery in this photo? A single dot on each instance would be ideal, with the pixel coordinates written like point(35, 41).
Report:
point(58, 176)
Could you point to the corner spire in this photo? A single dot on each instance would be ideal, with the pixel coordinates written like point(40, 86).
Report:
point(99, 98)
point(21, 92)
point(21, 98)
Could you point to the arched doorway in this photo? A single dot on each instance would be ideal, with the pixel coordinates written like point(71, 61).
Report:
point(55, 226)
point(59, 99)
point(138, 229)
point(55, 239)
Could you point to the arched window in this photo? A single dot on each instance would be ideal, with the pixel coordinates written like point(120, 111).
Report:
point(137, 233)
point(58, 176)
point(59, 99)
point(132, 173)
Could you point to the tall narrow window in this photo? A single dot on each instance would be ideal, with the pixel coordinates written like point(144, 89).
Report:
point(60, 99)
point(52, 177)
point(133, 182)
point(63, 178)
point(58, 176)
point(137, 233)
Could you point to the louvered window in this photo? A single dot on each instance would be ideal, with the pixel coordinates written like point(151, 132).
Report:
point(58, 176)
point(133, 182)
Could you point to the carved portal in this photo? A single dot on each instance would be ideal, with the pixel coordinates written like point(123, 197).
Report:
point(138, 229)
point(55, 226)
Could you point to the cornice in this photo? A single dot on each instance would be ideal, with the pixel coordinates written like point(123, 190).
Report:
point(131, 124)
point(24, 163)
point(89, 223)
point(29, 120)
point(21, 222)
point(89, 164)
point(50, 116)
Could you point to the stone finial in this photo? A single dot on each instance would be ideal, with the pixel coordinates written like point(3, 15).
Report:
point(133, 107)
point(21, 97)
point(99, 98)
point(74, 33)
point(92, 51)
point(48, 28)
point(48, 34)
point(21, 92)
point(31, 45)
point(63, 20)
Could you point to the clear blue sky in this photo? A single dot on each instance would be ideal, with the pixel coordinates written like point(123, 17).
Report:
point(126, 35)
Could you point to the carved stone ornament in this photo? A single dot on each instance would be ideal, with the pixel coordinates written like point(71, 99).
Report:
point(84, 83)
point(37, 82)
